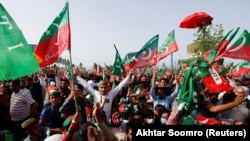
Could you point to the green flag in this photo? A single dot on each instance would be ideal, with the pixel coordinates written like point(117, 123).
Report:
point(189, 91)
point(69, 73)
point(17, 58)
point(117, 67)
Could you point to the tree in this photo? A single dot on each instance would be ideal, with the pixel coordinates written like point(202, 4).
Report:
point(207, 37)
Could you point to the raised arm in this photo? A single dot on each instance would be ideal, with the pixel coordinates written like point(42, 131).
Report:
point(110, 136)
point(86, 85)
point(115, 91)
point(152, 89)
point(177, 85)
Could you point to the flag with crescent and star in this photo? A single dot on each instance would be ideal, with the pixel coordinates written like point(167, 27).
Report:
point(146, 56)
point(169, 46)
point(241, 48)
point(55, 39)
point(17, 58)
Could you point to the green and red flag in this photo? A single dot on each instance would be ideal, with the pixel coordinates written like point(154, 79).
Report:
point(216, 53)
point(169, 46)
point(98, 70)
point(117, 67)
point(130, 57)
point(240, 69)
point(146, 56)
point(55, 40)
point(212, 79)
point(17, 58)
point(241, 48)
point(127, 60)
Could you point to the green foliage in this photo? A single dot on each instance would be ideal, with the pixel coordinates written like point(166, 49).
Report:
point(208, 36)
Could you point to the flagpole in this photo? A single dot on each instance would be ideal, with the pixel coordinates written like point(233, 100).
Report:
point(72, 79)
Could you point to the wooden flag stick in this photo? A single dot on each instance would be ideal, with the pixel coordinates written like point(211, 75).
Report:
point(72, 79)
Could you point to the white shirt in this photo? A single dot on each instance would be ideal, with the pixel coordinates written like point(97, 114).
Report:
point(108, 97)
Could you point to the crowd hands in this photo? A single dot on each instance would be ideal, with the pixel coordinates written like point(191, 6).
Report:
point(50, 106)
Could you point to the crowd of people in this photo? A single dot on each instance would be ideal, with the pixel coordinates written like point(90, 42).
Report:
point(49, 106)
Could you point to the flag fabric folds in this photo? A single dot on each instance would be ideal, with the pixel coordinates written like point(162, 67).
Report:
point(117, 67)
point(55, 40)
point(240, 69)
point(145, 57)
point(212, 79)
point(169, 46)
point(17, 58)
point(241, 48)
point(189, 91)
point(216, 53)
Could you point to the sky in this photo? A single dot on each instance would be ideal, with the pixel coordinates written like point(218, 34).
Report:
point(96, 25)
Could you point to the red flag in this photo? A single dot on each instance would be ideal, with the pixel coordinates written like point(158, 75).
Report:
point(216, 82)
point(55, 39)
point(207, 121)
point(212, 79)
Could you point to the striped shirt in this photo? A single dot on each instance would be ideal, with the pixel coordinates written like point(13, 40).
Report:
point(20, 105)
